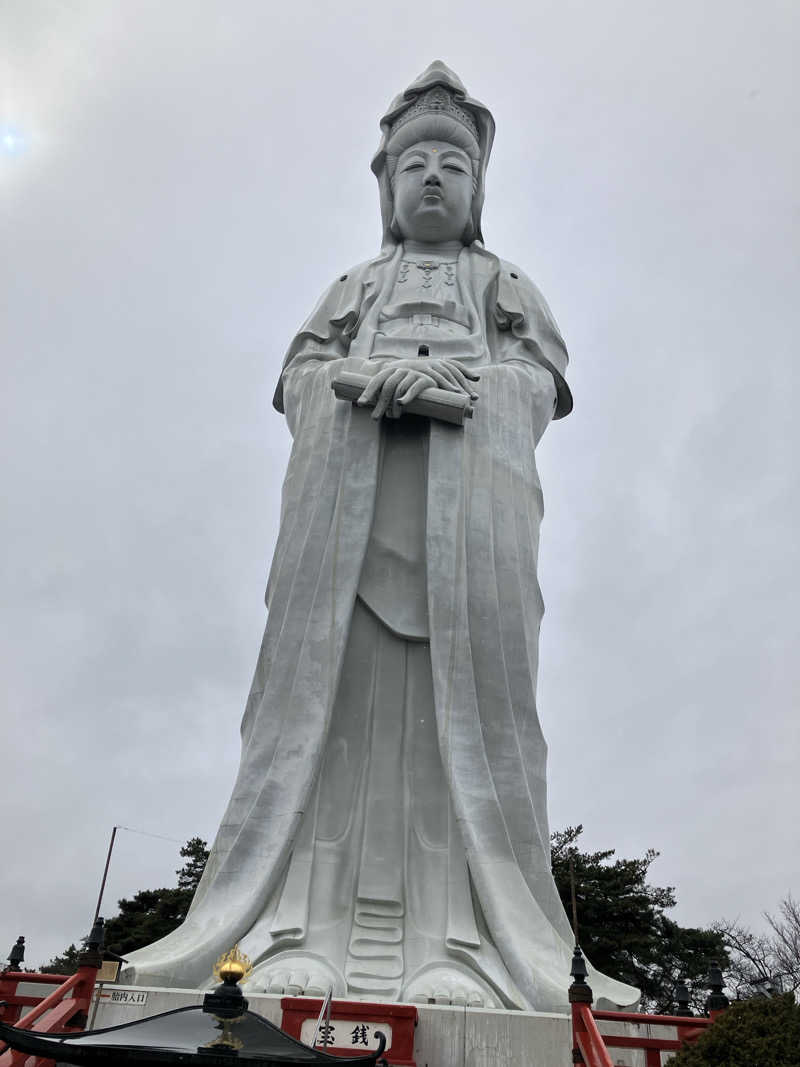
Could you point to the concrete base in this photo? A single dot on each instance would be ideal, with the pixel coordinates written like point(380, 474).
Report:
point(445, 1036)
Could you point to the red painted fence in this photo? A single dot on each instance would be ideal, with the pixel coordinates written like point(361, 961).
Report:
point(64, 1010)
point(594, 1045)
point(590, 1045)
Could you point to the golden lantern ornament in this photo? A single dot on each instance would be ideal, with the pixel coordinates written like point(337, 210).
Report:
point(233, 967)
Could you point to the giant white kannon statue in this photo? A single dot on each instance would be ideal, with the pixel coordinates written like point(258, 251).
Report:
point(387, 833)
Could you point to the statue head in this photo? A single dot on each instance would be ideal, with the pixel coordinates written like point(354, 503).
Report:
point(432, 190)
point(431, 163)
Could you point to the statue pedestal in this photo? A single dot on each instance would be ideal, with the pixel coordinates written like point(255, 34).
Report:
point(353, 1027)
point(444, 1037)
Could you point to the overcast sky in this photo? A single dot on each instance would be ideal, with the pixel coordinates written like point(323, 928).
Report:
point(178, 183)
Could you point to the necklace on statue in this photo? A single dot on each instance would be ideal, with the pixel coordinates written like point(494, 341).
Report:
point(428, 266)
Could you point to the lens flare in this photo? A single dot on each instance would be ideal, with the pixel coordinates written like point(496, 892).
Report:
point(12, 140)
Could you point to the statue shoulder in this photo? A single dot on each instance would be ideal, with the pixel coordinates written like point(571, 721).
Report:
point(517, 293)
point(514, 286)
point(522, 309)
point(341, 298)
point(352, 276)
point(343, 293)
point(521, 282)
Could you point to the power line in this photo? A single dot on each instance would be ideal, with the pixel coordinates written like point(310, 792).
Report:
point(131, 830)
point(147, 833)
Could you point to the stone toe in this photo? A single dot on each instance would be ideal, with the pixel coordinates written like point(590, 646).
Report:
point(317, 986)
point(277, 982)
point(448, 985)
point(296, 986)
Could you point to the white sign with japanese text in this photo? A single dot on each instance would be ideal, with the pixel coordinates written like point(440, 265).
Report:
point(345, 1033)
point(124, 996)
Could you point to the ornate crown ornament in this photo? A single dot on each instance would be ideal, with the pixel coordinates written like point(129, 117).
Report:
point(436, 101)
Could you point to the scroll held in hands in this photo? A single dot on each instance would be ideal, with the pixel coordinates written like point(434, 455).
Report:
point(433, 402)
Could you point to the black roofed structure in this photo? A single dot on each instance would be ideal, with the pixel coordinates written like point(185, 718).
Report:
point(186, 1036)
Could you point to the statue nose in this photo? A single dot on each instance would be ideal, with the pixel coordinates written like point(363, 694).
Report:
point(431, 178)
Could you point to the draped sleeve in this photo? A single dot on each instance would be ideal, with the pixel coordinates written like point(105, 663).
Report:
point(528, 332)
point(326, 334)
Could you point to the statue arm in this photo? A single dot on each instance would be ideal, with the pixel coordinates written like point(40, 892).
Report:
point(523, 331)
point(310, 370)
point(532, 380)
point(320, 344)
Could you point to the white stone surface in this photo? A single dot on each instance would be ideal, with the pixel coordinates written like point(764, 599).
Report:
point(387, 835)
point(503, 1037)
point(160, 1000)
point(446, 1036)
point(626, 1057)
point(36, 989)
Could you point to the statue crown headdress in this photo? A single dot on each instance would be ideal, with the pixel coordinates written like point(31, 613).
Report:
point(436, 106)
point(436, 101)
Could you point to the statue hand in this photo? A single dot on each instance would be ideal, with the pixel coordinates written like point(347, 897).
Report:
point(397, 385)
point(391, 384)
point(449, 374)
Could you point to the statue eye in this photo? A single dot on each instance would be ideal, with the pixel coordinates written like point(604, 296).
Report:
point(455, 168)
point(416, 165)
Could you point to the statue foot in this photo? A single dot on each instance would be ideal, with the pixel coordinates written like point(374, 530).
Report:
point(448, 983)
point(295, 974)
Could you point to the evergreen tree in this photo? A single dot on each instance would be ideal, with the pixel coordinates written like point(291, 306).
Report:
point(66, 963)
point(195, 852)
point(622, 925)
point(762, 1032)
point(148, 915)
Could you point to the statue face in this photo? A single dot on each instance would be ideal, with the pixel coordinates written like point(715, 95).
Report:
point(433, 192)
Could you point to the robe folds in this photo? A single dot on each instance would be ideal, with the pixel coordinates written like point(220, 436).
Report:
point(484, 509)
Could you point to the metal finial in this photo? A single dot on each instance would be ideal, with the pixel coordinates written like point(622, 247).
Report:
point(716, 1000)
point(579, 992)
point(578, 970)
point(92, 954)
point(574, 900)
point(97, 937)
point(227, 1003)
point(682, 999)
point(233, 967)
point(17, 953)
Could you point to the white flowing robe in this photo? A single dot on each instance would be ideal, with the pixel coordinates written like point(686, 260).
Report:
point(484, 509)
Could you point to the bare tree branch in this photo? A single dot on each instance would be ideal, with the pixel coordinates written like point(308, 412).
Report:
point(762, 963)
point(786, 941)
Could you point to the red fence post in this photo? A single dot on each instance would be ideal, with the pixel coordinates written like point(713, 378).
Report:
point(590, 1046)
point(9, 1012)
point(89, 963)
point(57, 1011)
point(8, 982)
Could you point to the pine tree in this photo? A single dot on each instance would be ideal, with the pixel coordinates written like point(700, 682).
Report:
point(623, 928)
point(195, 852)
point(148, 915)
